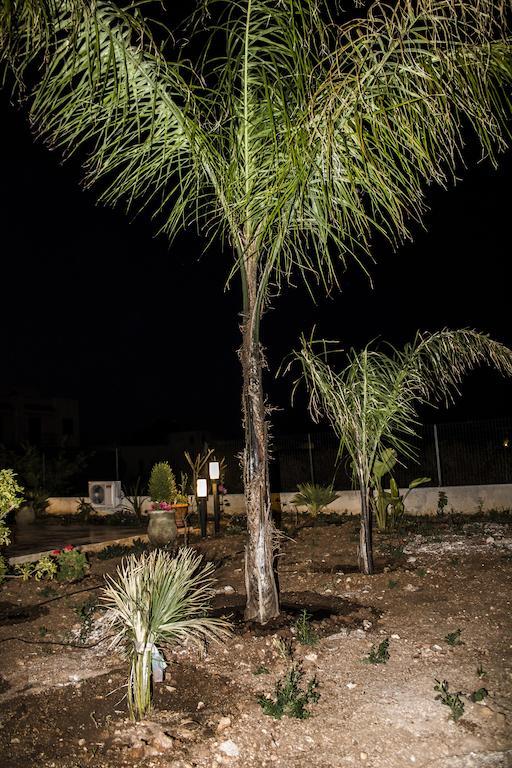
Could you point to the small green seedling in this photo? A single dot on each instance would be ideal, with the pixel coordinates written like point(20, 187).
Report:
point(451, 700)
point(261, 670)
point(421, 572)
point(479, 695)
point(480, 671)
point(392, 584)
point(379, 655)
point(306, 635)
point(453, 638)
point(290, 698)
point(43, 631)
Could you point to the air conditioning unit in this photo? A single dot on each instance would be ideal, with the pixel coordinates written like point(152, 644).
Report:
point(105, 494)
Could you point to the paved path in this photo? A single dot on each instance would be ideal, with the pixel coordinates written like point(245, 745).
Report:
point(43, 536)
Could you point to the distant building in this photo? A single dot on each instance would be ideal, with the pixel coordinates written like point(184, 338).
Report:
point(46, 422)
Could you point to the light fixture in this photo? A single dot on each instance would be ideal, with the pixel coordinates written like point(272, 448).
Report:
point(214, 470)
point(202, 488)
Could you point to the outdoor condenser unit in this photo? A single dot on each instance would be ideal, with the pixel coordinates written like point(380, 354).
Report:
point(105, 494)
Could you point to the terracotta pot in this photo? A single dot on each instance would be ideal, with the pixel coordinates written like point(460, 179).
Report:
point(181, 511)
point(162, 529)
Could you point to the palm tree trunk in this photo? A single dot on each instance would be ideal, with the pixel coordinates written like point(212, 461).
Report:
point(260, 578)
point(365, 533)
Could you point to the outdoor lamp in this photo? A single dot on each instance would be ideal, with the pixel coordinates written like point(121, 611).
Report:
point(202, 495)
point(202, 488)
point(214, 470)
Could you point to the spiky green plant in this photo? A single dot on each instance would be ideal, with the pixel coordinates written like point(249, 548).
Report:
point(157, 598)
point(294, 136)
point(372, 402)
point(314, 497)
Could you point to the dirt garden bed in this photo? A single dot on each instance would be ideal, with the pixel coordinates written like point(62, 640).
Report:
point(62, 696)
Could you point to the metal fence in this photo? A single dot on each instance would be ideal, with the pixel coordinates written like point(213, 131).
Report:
point(454, 453)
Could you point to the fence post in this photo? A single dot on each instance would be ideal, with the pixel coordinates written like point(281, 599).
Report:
point(311, 465)
point(438, 457)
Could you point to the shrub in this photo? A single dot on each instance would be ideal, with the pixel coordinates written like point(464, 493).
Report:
point(290, 698)
point(10, 497)
point(158, 598)
point(71, 564)
point(162, 483)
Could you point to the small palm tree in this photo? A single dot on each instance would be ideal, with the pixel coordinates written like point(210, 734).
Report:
point(314, 497)
point(372, 403)
point(158, 599)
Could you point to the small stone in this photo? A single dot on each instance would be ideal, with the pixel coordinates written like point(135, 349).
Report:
point(200, 705)
point(395, 636)
point(411, 559)
point(223, 723)
point(410, 588)
point(351, 685)
point(311, 657)
point(228, 589)
point(229, 748)
point(15, 740)
point(363, 755)
point(436, 648)
point(81, 742)
point(170, 688)
point(489, 540)
point(162, 742)
point(367, 624)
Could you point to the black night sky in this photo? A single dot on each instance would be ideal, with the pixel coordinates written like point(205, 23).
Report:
point(95, 307)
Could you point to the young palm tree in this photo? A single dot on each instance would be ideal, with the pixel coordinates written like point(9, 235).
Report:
point(372, 402)
point(157, 598)
point(293, 137)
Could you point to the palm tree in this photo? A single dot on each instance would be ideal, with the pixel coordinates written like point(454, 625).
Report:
point(293, 137)
point(372, 403)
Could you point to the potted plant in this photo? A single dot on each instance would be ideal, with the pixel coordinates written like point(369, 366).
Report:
point(180, 505)
point(162, 489)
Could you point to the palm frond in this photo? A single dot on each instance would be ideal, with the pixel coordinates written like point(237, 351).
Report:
point(372, 402)
point(297, 143)
point(99, 84)
point(157, 599)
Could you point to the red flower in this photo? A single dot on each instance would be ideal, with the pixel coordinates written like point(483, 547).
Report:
point(68, 548)
point(55, 552)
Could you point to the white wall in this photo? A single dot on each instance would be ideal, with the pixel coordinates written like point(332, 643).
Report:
point(421, 501)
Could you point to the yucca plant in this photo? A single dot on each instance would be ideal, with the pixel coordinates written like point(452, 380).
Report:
point(372, 402)
point(289, 130)
point(314, 497)
point(155, 599)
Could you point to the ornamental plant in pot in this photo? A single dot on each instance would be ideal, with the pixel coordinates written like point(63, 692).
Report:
point(180, 505)
point(162, 519)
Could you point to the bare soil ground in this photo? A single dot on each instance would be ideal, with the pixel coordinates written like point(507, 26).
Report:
point(63, 706)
